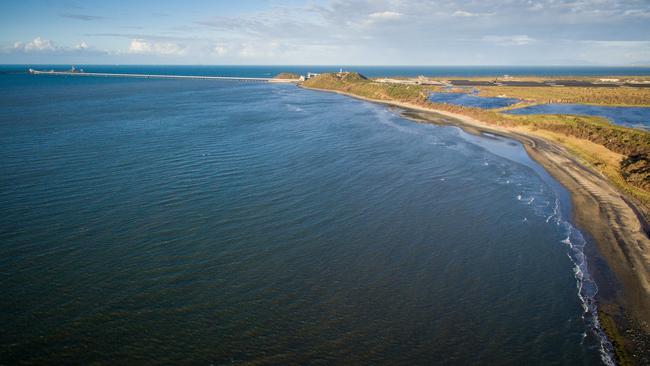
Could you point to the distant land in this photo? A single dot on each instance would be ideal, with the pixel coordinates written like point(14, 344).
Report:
point(453, 71)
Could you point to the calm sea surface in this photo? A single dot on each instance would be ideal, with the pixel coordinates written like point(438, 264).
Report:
point(203, 222)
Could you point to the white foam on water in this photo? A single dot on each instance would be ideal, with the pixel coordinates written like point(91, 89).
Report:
point(527, 190)
point(587, 288)
point(294, 108)
point(575, 243)
point(556, 210)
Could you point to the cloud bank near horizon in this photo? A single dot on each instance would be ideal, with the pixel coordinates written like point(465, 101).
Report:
point(405, 32)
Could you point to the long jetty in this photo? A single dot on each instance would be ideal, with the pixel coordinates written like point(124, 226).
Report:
point(154, 76)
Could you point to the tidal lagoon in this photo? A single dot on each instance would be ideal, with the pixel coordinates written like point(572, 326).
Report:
point(635, 117)
point(471, 100)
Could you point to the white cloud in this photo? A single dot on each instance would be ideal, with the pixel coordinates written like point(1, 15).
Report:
point(517, 40)
point(467, 14)
point(144, 47)
point(220, 51)
point(462, 13)
point(248, 51)
point(639, 44)
point(36, 45)
point(84, 17)
point(377, 17)
point(268, 49)
point(640, 13)
point(81, 46)
point(44, 46)
point(385, 15)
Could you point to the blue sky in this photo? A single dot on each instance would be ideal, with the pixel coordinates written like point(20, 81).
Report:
point(336, 32)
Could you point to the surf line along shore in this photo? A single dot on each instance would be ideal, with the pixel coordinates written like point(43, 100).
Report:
point(610, 218)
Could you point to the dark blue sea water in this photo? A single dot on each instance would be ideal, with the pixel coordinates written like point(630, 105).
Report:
point(470, 100)
point(372, 71)
point(636, 117)
point(203, 222)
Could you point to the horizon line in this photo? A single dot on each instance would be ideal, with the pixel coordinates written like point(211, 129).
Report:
point(320, 65)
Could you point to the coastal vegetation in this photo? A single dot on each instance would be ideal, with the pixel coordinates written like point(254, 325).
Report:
point(626, 91)
point(609, 327)
point(623, 96)
point(357, 84)
point(539, 79)
point(620, 153)
point(286, 75)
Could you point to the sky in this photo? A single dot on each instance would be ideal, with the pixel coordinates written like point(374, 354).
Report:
point(327, 32)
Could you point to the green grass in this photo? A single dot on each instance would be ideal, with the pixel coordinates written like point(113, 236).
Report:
point(358, 84)
point(624, 96)
point(609, 327)
point(286, 75)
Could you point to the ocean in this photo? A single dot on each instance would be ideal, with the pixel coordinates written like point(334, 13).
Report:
point(205, 222)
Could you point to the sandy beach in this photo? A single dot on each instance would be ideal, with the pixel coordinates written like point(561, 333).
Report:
point(620, 262)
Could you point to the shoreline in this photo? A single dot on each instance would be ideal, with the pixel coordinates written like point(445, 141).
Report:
point(620, 259)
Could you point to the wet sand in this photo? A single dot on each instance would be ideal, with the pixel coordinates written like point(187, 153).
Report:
point(621, 261)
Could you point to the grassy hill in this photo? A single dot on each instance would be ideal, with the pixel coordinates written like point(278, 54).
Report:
point(357, 84)
point(548, 94)
point(286, 75)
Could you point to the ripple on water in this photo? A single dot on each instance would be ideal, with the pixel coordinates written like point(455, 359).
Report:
point(232, 228)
